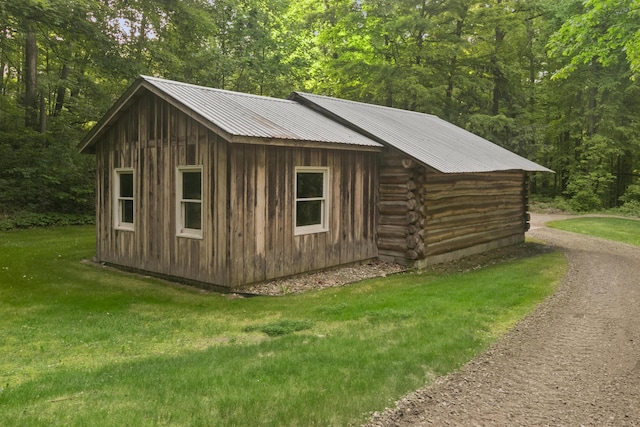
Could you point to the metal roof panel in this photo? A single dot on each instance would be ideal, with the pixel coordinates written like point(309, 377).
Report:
point(427, 138)
point(258, 116)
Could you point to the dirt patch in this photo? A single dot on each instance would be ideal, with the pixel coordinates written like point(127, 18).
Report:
point(575, 361)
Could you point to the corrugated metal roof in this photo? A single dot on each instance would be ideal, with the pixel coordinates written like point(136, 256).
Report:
point(258, 116)
point(429, 139)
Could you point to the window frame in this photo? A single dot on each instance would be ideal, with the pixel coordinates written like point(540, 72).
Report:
point(118, 200)
point(181, 202)
point(323, 226)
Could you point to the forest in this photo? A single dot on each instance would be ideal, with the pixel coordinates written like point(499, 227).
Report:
point(554, 81)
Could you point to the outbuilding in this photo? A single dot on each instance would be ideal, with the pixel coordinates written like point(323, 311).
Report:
point(223, 189)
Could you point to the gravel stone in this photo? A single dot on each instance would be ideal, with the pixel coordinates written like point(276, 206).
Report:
point(574, 361)
point(323, 279)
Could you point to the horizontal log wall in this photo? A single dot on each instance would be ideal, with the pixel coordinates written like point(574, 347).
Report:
point(155, 138)
point(466, 210)
point(263, 245)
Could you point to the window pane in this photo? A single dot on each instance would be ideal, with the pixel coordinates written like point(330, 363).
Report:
point(308, 213)
point(126, 184)
point(192, 215)
point(310, 184)
point(126, 214)
point(191, 185)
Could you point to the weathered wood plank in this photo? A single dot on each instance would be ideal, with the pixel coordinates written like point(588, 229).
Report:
point(248, 219)
point(471, 240)
point(237, 216)
point(452, 232)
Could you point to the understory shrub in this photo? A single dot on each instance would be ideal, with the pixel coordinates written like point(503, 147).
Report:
point(631, 208)
point(584, 201)
point(32, 219)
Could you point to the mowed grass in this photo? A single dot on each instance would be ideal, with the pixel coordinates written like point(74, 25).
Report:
point(618, 229)
point(82, 345)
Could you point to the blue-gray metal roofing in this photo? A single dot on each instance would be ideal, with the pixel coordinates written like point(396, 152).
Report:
point(428, 139)
point(258, 116)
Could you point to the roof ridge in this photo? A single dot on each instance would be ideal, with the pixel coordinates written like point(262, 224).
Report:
point(382, 107)
point(212, 89)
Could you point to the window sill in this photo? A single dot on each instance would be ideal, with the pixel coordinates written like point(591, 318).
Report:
point(311, 229)
point(191, 235)
point(124, 228)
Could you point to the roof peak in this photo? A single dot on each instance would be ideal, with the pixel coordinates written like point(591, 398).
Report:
point(365, 104)
point(151, 80)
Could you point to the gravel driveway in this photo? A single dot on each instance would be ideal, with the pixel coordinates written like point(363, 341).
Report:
point(575, 361)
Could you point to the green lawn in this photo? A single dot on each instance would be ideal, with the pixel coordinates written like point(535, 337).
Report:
point(81, 345)
point(619, 229)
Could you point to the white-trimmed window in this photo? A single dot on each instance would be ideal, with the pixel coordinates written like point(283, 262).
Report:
point(123, 200)
point(312, 200)
point(189, 201)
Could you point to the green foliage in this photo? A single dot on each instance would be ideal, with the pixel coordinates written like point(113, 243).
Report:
point(43, 172)
point(603, 32)
point(630, 208)
point(585, 200)
point(552, 81)
point(548, 204)
point(51, 219)
point(632, 194)
point(83, 343)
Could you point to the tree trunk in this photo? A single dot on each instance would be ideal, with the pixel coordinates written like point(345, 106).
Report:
point(62, 89)
point(42, 126)
point(453, 65)
point(31, 76)
point(591, 114)
point(498, 77)
point(3, 30)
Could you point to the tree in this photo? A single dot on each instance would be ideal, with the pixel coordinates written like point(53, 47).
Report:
point(604, 32)
point(599, 45)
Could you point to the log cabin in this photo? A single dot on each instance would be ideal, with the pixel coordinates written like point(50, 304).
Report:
point(221, 189)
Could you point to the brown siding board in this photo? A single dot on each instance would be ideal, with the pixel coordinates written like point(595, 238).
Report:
point(250, 255)
point(224, 235)
point(237, 214)
point(272, 221)
point(334, 244)
point(278, 186)
point(288, 220)
point(261, 220)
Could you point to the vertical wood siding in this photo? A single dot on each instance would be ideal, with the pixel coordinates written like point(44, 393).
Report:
point(155, 138)
point(248, 202)
point(262, 243)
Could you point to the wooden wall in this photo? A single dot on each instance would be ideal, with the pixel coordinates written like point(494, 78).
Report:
point(248, 217)
point(465, 210)
point(399, 210)
point(400, 235)
point(262, 181)
point(425, 214)
point(155, 138)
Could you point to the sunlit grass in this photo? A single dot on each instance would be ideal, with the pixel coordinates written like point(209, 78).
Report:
point(618, 229)
point(81, 345)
